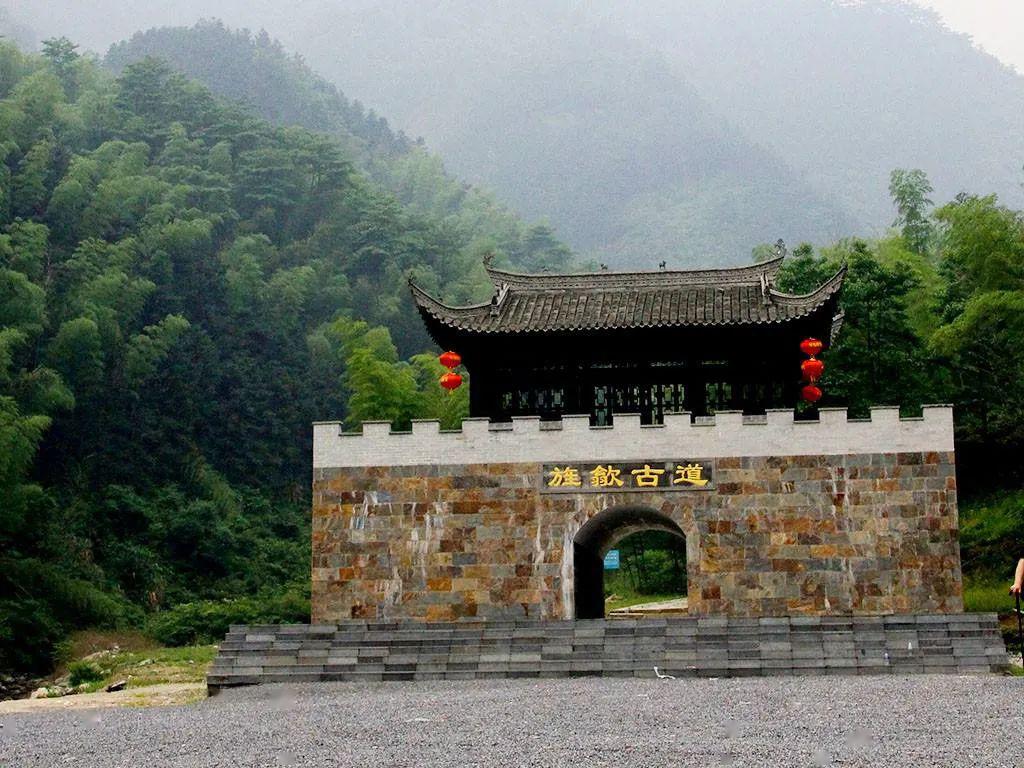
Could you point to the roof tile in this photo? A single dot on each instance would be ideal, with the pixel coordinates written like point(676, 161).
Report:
point(607, 300)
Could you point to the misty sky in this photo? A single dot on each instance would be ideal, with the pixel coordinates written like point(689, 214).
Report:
point(996, 25)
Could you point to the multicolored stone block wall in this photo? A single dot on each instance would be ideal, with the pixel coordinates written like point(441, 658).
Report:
point(777, 532)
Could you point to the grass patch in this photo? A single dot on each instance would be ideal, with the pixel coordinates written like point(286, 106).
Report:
point(619, 593)
point(165, 665)
point(140, 661)
point(987, 596)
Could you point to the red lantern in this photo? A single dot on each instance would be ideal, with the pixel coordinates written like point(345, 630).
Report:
point(810, 347)
point(451, 381)
point(811, 393)
point(450, 360)
point(812, 369)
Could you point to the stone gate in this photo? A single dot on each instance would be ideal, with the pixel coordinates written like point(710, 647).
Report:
point(781, 517)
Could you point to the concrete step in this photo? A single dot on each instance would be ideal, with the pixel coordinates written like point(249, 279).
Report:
point(682, 647)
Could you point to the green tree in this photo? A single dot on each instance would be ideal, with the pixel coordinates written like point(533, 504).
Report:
point(33, 180)
point(76, 352)
point(984, 346)
point(878, 358)
point(982, 249)
point(25, 248)
point(63, 56)
point(909, 190)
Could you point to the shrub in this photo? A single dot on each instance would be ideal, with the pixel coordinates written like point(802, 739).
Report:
point(991, 530)
point(28, 634)
point(207, 621)
point(40, 603)
point(987, 596)
point(84, 672)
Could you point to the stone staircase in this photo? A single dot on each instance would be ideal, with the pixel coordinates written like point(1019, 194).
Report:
point(681, 647)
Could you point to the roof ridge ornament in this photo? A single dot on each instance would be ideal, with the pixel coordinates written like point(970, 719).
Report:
point(499, 298)
point(779, 253)
point(766, 289)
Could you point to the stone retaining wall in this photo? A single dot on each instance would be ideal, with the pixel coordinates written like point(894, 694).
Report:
point(683, 647)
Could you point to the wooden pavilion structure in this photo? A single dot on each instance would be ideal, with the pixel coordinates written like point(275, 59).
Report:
point(634, 342)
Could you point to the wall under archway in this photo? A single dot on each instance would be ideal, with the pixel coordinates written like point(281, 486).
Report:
point(592, 542)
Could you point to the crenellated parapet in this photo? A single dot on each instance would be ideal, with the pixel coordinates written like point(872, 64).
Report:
point(728, 433)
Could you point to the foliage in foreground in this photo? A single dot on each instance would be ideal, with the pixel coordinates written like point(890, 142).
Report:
point(991, 542)
point(207, 621)
point(651, 564)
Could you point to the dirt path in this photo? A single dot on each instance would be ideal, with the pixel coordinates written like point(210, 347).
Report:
point(149, 696)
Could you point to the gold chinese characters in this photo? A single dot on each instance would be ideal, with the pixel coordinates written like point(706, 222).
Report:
point(605, 477)
point(691, 474)
point(569, 476)
point(647, 477)
point(611, 476)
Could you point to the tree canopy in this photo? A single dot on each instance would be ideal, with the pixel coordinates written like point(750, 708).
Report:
point(184, 288)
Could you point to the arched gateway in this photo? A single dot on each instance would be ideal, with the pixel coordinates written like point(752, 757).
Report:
point(608, 403)
point(593, 541)
point(677, 377)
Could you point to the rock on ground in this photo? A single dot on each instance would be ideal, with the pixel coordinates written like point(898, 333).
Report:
point(795, 721)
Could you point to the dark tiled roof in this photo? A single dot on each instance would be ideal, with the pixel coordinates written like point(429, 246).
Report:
point(612, 300)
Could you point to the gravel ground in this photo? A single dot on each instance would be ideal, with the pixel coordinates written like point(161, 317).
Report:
point(869, 721)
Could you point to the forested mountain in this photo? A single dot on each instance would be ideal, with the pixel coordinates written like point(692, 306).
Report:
point(560, 172)
point(183, 289)
point(568, 120)
point(845, 92)
point(690, 131)
point(257, 72)
point(808, 105)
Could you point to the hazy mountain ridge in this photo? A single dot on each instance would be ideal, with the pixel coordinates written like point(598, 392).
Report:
point(256, 71)
point(662, 130)
point(567, 120)
point(15, 29)
point(845, 92)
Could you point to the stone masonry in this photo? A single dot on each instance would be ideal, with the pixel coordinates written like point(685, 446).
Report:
point(719, 646)
point(830, 517)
